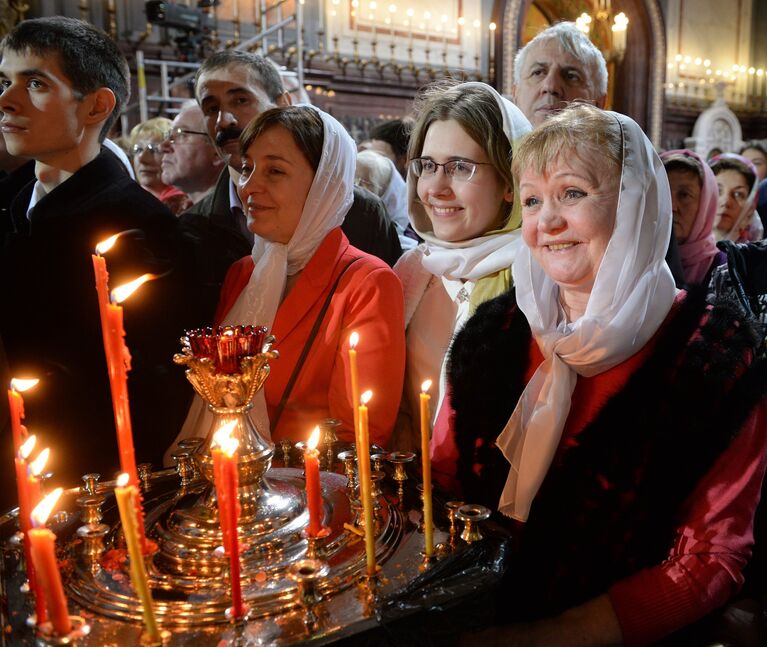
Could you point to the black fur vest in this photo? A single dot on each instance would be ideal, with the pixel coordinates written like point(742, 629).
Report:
point(609, 507)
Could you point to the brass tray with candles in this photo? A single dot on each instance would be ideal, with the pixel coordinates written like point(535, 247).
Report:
point(295, 587)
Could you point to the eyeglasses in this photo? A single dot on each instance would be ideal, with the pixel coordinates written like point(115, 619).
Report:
point(462, 170)
point(180, 135)
point(138, 149)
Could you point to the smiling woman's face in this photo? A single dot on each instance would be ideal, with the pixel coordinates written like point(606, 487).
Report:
point(276, 178)
point(460, 210)
point(568, 217)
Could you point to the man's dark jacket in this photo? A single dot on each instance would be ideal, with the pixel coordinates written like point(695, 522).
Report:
point(50, 326)
point(215, 241)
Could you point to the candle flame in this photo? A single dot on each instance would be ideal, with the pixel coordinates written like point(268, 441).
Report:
point(122, 480)
point(230, 446)
point(105, 245)
point(425, 386)
point(37, 466)
point(22, 385)
point(221, 437)
point(314, 439)
point(354, 339)
point(26, 449)
point(43, 509)
point(122, 292)
point(365, 397)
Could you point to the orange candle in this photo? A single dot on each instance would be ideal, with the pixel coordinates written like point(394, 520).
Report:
point(125, 495)
point(231, 479)
point(229, 514)
point(363, 461)
point(16, 407)
point(354, 339)
point(220, 439)
point(43, 548)
point(118, 365)
point(313, 493)
point(29, 496)
point(428, 521)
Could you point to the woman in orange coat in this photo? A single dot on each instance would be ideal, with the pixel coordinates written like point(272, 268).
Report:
point(296, 187)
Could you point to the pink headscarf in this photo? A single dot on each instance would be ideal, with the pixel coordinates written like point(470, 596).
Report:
point(698, 251)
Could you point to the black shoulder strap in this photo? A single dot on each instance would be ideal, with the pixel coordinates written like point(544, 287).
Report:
point(307, 347)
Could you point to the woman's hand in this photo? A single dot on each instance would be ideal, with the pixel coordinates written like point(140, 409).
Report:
point(593, 624)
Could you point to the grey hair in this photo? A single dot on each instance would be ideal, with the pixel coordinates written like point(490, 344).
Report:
point(575, 43)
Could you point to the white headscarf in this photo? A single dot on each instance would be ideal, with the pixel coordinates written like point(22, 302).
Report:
point(394, 197)
point(330, 197)
point(632, 295)
point(478, 257)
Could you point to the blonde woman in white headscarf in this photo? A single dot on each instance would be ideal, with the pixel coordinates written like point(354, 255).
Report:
point(296, 186)
point(616, 425)
point(461, 203)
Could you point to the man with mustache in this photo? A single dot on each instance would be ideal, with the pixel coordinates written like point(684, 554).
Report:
point(560, 65)
point(232, 88)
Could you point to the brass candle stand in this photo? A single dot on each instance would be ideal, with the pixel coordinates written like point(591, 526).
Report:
point(294, 586)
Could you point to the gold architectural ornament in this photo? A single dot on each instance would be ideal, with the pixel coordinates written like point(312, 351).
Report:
point(12, 13)
point(609, 30)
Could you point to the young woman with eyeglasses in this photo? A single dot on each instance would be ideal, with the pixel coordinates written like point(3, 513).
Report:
point(461, 202)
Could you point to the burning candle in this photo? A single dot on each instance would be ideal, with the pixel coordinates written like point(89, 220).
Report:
point(118, 365)
point(16, 406)
point(43, 549)
point(491, 28)
point(354, 339)
point(428, 526)
point(22, 485)
point(29, 496)
point(229, 512)
point(221, 438)
point(125, 493)
point(363, 460)
point(313, 493)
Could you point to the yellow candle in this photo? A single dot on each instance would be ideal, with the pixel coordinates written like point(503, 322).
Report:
point(428, 525)
point(353, 341)
point(126, 502)
point(363, 461)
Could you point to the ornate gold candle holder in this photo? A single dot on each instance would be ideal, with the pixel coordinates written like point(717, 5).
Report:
point(400, 460)
point(472, 514)
point(308, 574)
point(227, 368)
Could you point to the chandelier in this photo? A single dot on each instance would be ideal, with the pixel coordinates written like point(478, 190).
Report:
point(611, 28)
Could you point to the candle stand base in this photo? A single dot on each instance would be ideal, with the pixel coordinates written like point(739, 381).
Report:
point(427, 561)
point(236, 620)
point(315, 545)
point(45, 637)
point(147, 641)
point(189, 581)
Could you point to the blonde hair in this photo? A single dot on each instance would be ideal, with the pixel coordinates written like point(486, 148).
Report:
point(581, 130)
point(156, 127)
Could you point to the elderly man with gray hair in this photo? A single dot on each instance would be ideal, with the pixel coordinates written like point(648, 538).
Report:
point(560, 65)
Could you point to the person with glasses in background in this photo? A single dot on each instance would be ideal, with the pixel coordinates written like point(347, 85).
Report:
point(189, 160)
point(145, 148)
point(461, 203)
